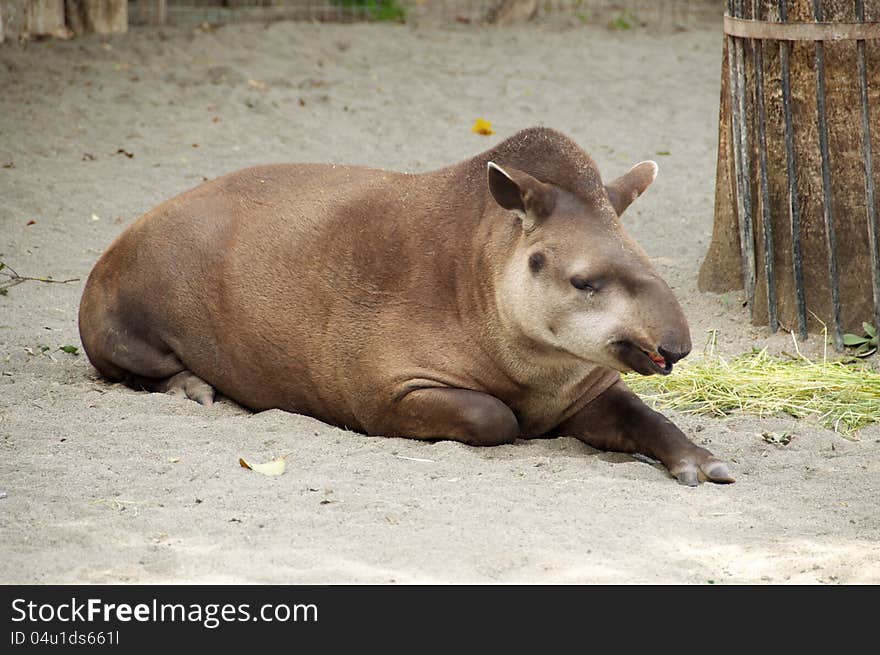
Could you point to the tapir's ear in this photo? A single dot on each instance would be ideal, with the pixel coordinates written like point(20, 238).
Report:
point(520, 192)
point(629, 186)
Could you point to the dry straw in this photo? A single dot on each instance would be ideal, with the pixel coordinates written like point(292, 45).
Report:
point(842, 395)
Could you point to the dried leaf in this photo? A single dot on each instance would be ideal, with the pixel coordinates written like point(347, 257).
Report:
point(275, 467)
point(777, 439)
point(482, 126)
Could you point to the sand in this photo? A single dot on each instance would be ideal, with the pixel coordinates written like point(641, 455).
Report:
point(105, 484)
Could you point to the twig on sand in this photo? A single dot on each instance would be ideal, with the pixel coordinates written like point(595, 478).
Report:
point(118, 504)
point(13, 278)
point(416, 459)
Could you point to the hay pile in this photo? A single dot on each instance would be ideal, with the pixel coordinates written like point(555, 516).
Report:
point(843, 395)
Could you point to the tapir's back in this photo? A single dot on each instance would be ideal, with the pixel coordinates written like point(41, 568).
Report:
point(271, 283)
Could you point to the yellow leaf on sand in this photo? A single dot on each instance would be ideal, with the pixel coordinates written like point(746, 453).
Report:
point(275, 467)
point(482, 126)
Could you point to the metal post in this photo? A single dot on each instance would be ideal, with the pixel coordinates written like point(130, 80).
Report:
point(873, 235)
point(766, 222)
point(830, 239)
point(736, 69)
point(794, 211)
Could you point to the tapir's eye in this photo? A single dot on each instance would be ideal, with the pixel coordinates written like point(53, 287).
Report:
point(581, 283)
point(536, 261)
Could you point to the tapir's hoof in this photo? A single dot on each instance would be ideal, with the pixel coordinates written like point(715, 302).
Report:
point(189, 385)
point(693, 473)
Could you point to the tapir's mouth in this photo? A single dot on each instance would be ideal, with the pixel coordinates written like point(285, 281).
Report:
point(663, 366)
point(640, 360)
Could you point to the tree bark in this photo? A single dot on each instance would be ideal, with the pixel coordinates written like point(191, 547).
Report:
point(722, 269)
point(507, 12)
point(151, 12)
point(99, 16)
point(848, 202)
point(27, 18)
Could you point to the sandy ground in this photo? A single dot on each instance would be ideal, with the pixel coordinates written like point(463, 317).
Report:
point(104, 484)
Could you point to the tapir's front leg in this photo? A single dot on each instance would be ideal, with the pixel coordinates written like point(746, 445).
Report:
point(618, 420)
point(432, 413)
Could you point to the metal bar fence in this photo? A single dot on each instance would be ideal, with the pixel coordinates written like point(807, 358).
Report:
point(750, 33)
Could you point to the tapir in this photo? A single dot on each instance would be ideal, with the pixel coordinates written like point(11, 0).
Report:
point(496, 299)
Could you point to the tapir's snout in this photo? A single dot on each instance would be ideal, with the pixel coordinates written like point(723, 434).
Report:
point(647, 360)
point(673, 347)
point(649, 355)
point(676, 344)
point(673, 356)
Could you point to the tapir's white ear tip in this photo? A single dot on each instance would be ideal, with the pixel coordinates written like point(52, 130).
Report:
point(654, 168)
point(492, 166)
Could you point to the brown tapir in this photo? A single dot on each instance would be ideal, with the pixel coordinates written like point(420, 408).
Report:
point(491, 300)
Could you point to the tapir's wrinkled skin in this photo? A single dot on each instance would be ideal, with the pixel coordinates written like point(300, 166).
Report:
point(491, 300)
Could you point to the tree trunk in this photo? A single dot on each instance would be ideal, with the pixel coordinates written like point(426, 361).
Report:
point(22, 19)
point(507, 12)
point(100, 16)
point(722, 268)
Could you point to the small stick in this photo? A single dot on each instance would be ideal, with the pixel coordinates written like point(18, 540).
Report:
point(15, 278)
